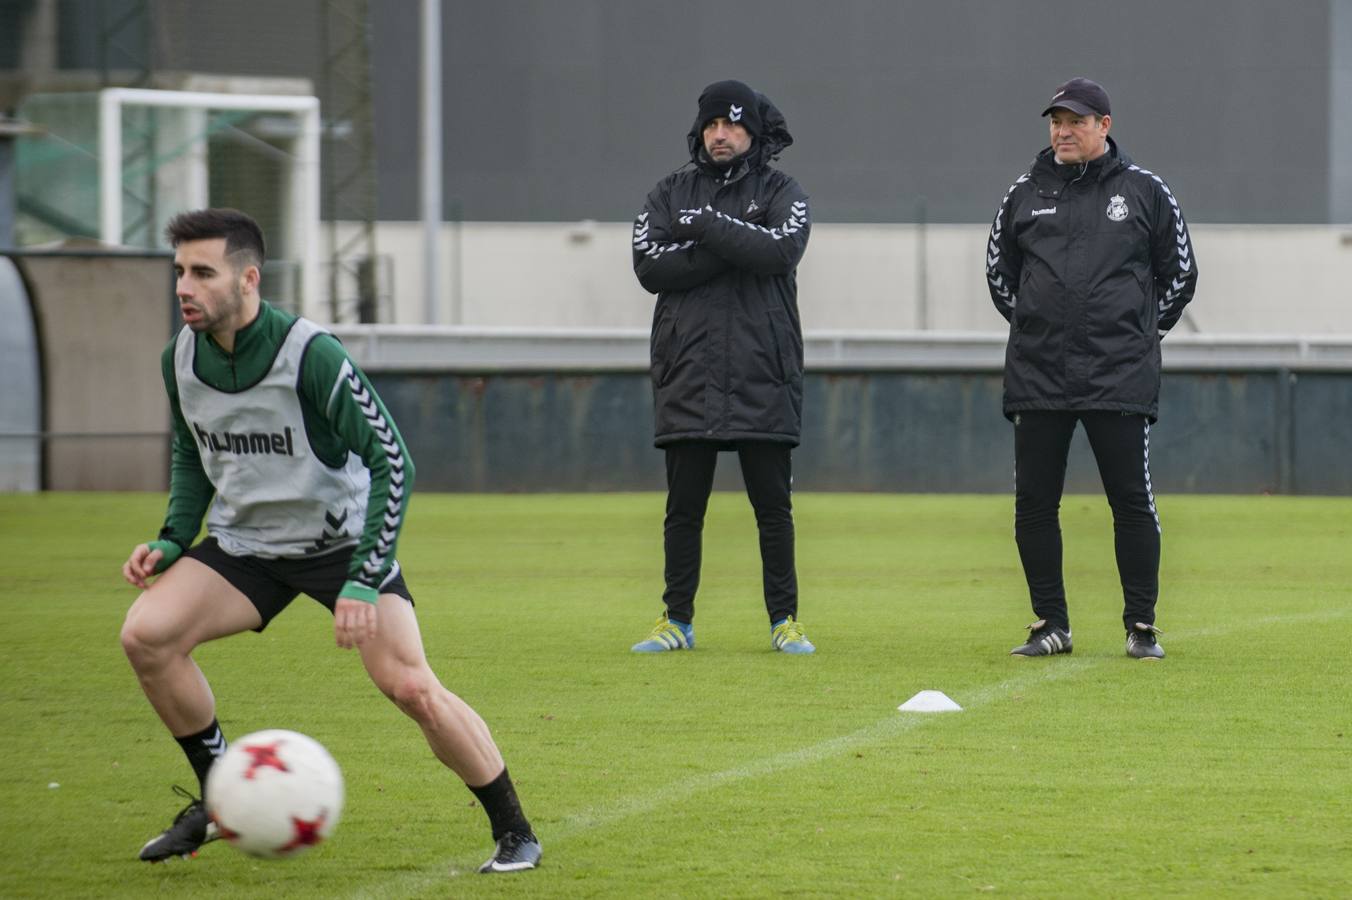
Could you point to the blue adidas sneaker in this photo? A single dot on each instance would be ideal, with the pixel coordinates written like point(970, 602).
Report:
point(787, 636)
point(667, 634)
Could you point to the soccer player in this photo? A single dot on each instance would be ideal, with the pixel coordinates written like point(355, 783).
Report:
point(718, 241)
point(1090, 262)
point(281, 442)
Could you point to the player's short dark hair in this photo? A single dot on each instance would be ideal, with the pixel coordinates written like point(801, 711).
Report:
point(241, 232)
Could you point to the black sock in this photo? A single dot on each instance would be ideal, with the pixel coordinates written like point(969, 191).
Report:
point(202, 749)
point(498, 798)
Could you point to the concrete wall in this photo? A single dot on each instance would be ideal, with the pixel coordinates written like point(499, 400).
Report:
point(881, 414)
point(1254, 279)
point(102, 320)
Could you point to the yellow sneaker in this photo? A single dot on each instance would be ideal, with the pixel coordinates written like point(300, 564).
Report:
point(667, 634)
point(787, 636)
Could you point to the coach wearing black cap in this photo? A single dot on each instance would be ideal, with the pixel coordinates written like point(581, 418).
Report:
point(1090, 261)
point(718, 241)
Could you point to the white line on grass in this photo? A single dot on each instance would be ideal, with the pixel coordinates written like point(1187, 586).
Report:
point(602, 815)
point(605, 814)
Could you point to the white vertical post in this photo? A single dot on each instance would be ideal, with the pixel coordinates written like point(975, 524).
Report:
point(305, 196)
point(183, 177)
point(431, 157)
point(110, 167)
point(198, 193)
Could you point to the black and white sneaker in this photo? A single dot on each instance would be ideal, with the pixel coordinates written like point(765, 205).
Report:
point(516, 852)
point(1044, 640)
point(191, 828)
point(1141, 643)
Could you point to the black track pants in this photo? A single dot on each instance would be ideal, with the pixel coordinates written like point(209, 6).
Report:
point(767, 471)
point(1121, 445)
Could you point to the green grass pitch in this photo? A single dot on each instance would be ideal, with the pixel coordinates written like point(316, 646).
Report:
point(730, 771)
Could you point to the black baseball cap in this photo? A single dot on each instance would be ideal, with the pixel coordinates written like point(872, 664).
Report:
point(1082, 96)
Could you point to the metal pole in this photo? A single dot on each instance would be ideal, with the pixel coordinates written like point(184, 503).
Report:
point(306, 209)
point(7, 189)
point(110, 167)
point(431, 155)
point(921, 267)
point(457, 268)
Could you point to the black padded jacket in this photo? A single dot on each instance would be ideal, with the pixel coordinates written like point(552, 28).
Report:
point(1092, 265)
point(720, 249)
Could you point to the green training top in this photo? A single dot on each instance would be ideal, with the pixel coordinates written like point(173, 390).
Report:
point(286, 433)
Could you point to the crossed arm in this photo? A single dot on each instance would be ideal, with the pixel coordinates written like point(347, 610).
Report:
point(678, 249)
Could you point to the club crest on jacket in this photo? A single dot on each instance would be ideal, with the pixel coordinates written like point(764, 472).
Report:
point(1117, 208)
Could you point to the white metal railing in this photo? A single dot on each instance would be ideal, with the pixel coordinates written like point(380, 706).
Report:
point(469, 348)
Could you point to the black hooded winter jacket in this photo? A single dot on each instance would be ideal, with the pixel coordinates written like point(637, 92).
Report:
point(720, 250)
point(1091, 264)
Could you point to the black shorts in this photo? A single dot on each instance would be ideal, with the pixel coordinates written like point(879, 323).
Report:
point(271, 584)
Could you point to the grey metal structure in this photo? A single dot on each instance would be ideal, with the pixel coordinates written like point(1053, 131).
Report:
point(125, 55)
point(9, 130)
point(349, 160)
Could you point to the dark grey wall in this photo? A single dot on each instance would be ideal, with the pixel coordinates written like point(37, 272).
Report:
point(1242, 432)
point(271, 38)
point(559, 111)
point(562, 111)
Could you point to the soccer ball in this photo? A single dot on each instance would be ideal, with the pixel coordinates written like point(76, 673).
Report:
point(275, 793)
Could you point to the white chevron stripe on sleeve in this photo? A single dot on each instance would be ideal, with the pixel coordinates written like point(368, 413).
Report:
point(1182, 243)
point(641, 232)
point(657, 250)
point(1007, 297)
point(375, 561)
point(792, 225)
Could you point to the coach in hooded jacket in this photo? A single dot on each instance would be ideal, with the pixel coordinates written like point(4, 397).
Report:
point(718, 241)
point(1090, 261)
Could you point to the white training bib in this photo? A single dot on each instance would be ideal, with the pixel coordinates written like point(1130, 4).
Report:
point(274, 497)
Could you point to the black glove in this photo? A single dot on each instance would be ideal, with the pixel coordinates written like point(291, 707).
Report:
point(690, 223)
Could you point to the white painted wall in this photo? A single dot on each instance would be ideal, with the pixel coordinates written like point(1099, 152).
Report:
point(1254, 279)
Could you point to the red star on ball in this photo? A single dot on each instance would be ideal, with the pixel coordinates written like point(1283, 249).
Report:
point(263, 756)
point(305, 833)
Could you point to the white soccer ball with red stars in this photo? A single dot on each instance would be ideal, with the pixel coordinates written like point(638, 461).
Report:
point(275, 793)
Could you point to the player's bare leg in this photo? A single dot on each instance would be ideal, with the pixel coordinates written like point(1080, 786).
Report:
point(395, 660)
point(186, 606)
